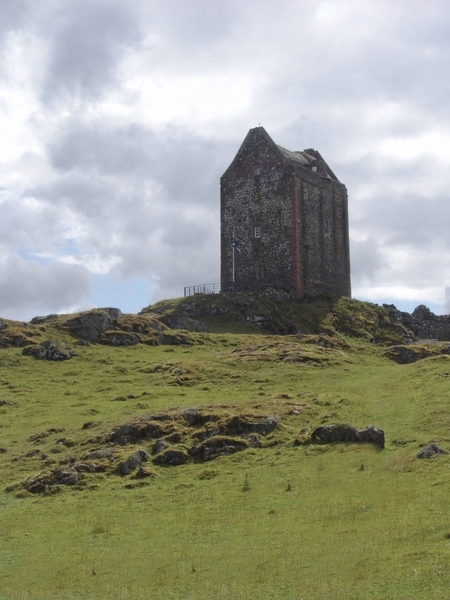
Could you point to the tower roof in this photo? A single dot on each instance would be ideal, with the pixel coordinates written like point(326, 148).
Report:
point(310, 159)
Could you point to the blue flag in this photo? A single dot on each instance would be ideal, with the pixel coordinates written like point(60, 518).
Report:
point(235, 244)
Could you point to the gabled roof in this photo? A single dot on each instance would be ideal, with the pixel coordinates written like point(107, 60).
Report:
point(308, 159)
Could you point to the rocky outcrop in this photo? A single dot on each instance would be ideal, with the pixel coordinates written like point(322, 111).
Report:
point(119, 338)
point(184, 322)
point(102, 453)
point(422, 322)
point(14, 341)
point(431, 451)
point(50, 350)
point(41, 320)
point(40, 483)
point(134, 461)
point(238, 425)
point(217, 446)
point(173, 438)
point(159, 446)
point(343, 432)
point(171, 458)
point(130, 433)
point(404, 355)
point(90, 325)
point(195, 418)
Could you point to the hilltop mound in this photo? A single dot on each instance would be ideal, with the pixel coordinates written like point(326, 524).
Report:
point(107, 326)
point(181, 320)
point(249, 313)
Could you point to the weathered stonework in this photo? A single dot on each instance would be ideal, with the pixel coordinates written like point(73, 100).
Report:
point(288, 214)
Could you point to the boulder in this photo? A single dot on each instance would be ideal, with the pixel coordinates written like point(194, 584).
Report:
point(129, 433)
point(170, 338)
point(41, 482)
point(242, 425)
point(430, 451)
point(119, 338)
point(84, 467)
point(90, 325)
point(343, 432)
point(50, 350)
point(253, 440)
point(143, 472)
point(186, 323)
point(194, 417)
point(40, 320)
point(371, 435)
point(175, 437)
point(217, 446)
point(2, 325)
point(102, 453)
point(19, 341)
point(159, 446)
point(208, 431)
point(410, 354)
point(171, 458)
point(133, 462)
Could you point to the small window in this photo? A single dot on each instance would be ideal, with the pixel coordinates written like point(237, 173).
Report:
point(258, 171)
point(314, 169)
point(257, 231)
point(259, 271)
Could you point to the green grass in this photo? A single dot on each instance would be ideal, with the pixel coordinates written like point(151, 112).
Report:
point(344, 521)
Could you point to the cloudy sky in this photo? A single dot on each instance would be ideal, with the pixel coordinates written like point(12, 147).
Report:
point(117, 118)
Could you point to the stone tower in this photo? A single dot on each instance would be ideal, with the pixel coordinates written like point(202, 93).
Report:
point(288, 216)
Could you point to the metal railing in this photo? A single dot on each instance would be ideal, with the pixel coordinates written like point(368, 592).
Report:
point(256, 287)
point(205, 288)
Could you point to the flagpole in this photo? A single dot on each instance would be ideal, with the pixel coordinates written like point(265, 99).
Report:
point(233, 261)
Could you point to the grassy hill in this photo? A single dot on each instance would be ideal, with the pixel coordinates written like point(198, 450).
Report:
point(275, 517)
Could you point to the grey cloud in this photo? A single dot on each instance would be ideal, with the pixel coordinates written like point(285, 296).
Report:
point(150, 200)
point(405, 201)
point(124, 151)
point(373, 62)
point(25, 228)
point(89, 197)
point(198, 22)
point(446, 307)
point(185, 164)
point(88, 39)
point(30, 285)
point(15, 13)
point(366, 260)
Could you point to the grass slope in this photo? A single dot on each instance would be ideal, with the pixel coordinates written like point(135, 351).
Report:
point(341, 521)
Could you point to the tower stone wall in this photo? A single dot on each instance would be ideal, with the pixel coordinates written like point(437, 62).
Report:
point(288, 214)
